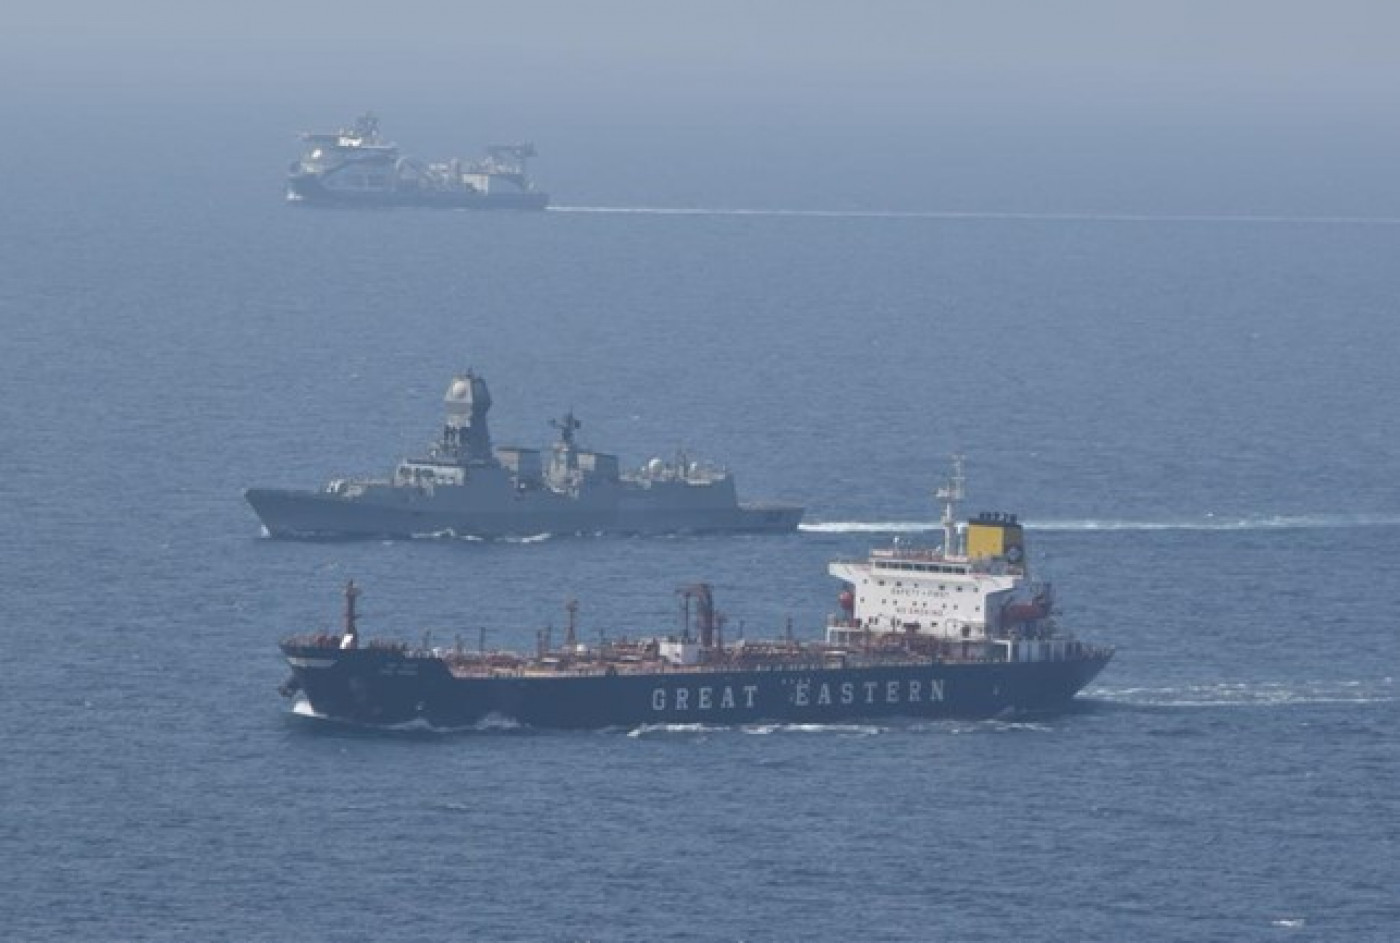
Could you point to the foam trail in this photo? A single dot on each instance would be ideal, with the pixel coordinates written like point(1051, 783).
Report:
point(1271, 522)
point(869, 527)
point(1251, 694)
point(647, 730)
point(862, 730)
point(533, 539)
point(983, 215)
point(1212, 523)
point(491, 723)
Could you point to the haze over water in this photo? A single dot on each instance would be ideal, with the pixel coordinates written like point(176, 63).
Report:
point(1140, 270)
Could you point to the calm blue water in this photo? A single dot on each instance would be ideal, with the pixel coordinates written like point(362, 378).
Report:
point(1197, 418)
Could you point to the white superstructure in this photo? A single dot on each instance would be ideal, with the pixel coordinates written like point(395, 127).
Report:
point(975, 591)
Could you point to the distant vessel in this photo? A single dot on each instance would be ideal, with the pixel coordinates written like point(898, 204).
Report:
point(465, 487)
point(356, 167)
point(961, 631)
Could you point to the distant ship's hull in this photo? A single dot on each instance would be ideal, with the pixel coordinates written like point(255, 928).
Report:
point(319, 514)
point(308, 189)
point(385, 687)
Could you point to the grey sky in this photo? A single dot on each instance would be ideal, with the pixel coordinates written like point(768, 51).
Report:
point(779, 50)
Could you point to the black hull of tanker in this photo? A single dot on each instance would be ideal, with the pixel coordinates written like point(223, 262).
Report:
point(315, 515)
point(386, 688)
point(308, 190)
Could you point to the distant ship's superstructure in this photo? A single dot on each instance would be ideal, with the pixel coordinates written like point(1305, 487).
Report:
point(466, 487)
point(355, 166)
point(957, 631)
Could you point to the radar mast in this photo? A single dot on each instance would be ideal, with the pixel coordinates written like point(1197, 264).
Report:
point(951, 494)
point(466, 437)
point(567, 426)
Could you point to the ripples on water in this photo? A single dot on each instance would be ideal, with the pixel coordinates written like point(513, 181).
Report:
point(1195, 419)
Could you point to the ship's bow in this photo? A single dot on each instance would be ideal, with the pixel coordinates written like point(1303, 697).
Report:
point(376, 685)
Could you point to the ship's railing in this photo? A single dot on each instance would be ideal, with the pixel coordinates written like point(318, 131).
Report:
point(927, 554)
point(663, 668)
point(959, 566)
point(336, 640)
point(831, 659)
point(513, 665)
point(314, 640)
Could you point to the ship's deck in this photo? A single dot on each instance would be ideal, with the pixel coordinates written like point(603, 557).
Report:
point(640, 658)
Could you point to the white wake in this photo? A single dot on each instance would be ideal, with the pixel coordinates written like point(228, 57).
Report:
point(1252, 694)
point(981, 215)
point(1207, 523)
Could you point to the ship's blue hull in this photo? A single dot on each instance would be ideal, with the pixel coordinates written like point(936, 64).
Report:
point(383, 687)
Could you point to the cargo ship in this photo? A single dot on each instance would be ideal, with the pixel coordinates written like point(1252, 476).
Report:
point(466, 487)
point(956, 631)
point(355, 166)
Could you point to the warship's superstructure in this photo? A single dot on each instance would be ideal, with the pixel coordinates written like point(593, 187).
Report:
point(958, 631)
point(465, 487)
point(355, 166)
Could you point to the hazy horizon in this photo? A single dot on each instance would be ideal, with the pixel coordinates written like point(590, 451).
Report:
point(1015, 106)
point(1090, 54)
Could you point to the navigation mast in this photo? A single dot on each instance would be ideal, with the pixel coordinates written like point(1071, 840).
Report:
point(951, 494)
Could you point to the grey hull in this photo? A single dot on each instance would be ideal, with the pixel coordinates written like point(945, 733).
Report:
point(308, 190)
point(315, 514)
point(465, 486)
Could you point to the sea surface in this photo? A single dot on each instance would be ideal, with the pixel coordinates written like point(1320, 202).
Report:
point(1192, 405)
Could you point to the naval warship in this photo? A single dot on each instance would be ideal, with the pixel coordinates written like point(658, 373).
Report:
point(355, 166)
point(957, 631)
point(465, 487)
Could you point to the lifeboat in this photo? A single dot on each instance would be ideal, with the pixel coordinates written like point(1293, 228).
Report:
point(1017, 612)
